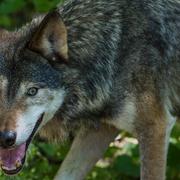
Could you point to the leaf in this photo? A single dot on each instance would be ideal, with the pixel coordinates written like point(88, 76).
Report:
point(11, 6)
point(5, 21)
point(44, 5)
point(125, 165)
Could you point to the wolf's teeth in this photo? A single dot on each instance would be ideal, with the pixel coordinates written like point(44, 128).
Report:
point(8, 169)
point(18, 164)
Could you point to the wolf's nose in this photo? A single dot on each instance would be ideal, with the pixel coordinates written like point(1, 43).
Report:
point(7, 139)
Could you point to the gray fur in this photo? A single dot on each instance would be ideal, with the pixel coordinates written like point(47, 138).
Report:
point(118, 50)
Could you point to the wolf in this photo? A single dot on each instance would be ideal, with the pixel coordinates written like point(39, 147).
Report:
point(92, 68)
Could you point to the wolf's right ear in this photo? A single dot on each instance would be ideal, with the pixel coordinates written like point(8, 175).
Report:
point(50, 39)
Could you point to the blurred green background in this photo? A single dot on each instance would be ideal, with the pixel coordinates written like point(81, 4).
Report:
point(121, 161)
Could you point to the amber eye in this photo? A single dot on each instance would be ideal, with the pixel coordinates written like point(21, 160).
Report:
point(32, 91)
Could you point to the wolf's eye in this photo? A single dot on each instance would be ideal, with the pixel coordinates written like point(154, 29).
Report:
point(32, 91)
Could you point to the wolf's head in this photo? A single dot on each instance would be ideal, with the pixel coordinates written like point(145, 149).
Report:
point(31, 86)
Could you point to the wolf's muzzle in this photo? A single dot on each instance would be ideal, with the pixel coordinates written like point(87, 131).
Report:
point(12, 158)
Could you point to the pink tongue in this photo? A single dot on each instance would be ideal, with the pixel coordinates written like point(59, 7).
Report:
point(9, 158)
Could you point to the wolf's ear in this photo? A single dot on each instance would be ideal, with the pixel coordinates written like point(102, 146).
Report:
point(50, 39)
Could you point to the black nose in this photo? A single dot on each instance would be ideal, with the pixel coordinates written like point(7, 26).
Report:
point(7, 139)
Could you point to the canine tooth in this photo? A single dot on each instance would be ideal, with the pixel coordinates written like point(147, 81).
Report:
point(18, 164)
point(4, 167)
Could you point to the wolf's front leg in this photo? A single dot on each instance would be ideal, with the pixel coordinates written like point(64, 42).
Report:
point(154, 141)
point(87, 148)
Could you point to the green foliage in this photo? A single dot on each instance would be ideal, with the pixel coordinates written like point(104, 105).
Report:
point(43, 6)
point(121, 160)
point(13, 13)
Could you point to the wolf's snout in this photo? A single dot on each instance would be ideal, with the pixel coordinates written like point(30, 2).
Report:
point(7, 139)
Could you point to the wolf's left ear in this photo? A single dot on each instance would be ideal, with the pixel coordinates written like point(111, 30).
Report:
point(50, 39)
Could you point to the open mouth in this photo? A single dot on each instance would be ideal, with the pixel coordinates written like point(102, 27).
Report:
point(12, 160)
